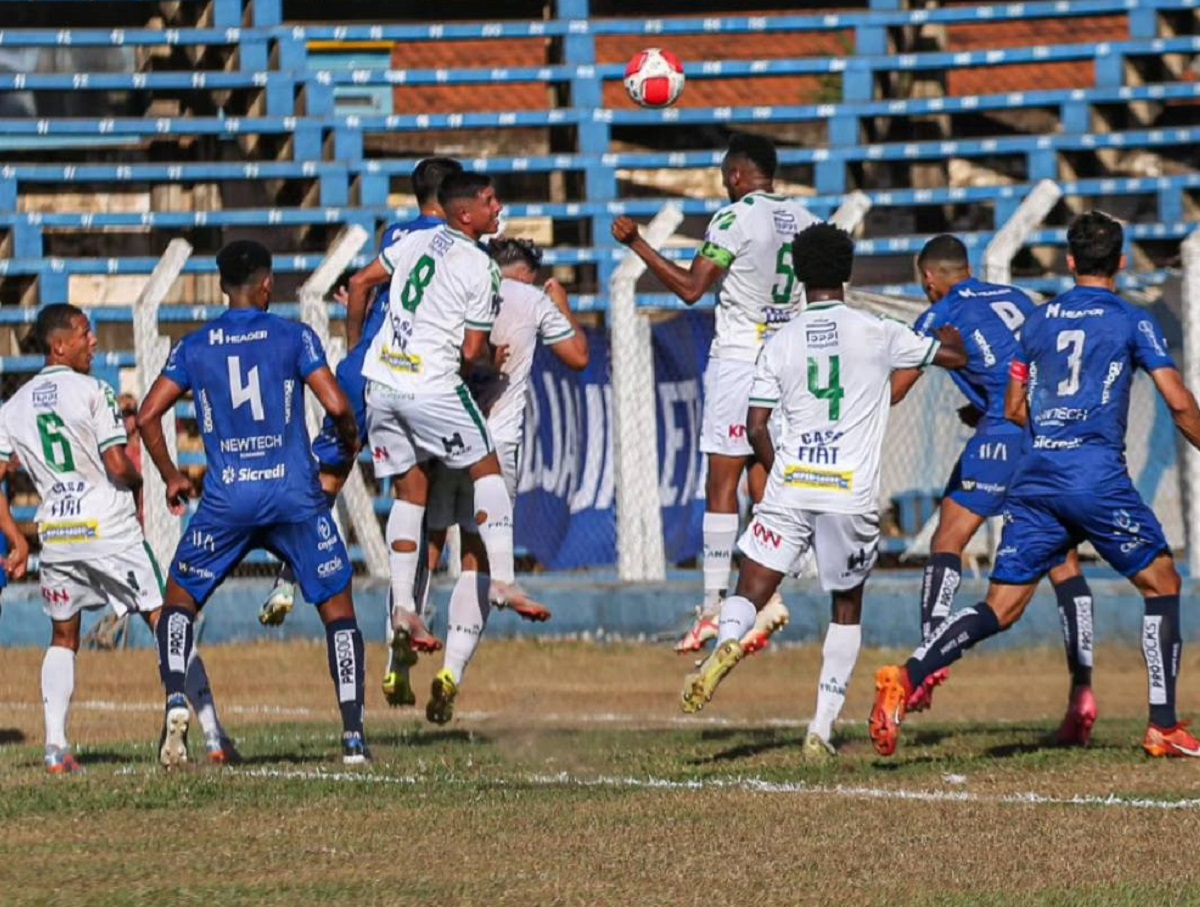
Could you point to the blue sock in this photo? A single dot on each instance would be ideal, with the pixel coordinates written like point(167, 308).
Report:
point(1075, 612)
point(943, 574)
point(348, 670)
point(174, 635)
point(962, 631)
point(1162, 647)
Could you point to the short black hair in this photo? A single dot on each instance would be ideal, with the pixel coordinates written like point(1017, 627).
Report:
point(946, 250)
point(51, 319)
point(427, 177)
point(241, 261)
point(505, 251)
point(757, 149)
point(460, 186)
point(822, 256)
point(1095, 241)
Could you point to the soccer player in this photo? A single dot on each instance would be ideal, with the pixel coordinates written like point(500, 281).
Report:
point(247, 370)
point(527, 313)
point(443, 301)
point(363, 320)
point(66, 429)
point(1071, 385)
point(829, 371)
point(747, 251)
point(989, 317)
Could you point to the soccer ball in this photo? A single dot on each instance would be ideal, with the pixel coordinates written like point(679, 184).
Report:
point(654, 78)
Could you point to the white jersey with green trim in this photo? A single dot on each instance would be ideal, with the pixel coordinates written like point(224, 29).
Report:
point(752, 240)
point(59, 425)
point(442, 284)
point(829, 373)
point(526, 313)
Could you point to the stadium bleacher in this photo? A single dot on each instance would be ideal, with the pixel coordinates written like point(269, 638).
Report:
point(233, 117)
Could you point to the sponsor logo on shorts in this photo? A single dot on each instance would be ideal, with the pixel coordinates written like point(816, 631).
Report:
point(765, 535)
point(454, 444)
point(347, 664)
point(378, 454)
point(1155, 663)
point(70, 533)
point(987, 487)
point(737, 432)
point(203, 540)
point(187, 569)
point(177, 626)
point(1006, 551)
point(60, 596)
point(328, 568)
point(994, 450)
point(329, 538)
point(819, 479)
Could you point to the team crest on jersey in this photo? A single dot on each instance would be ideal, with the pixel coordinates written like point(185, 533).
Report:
point(46, 396)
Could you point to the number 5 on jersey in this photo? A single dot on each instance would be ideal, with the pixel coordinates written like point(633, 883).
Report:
point(248, 392)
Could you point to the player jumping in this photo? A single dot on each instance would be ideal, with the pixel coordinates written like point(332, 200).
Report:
point(829, 370)
point(989, 317)
point(748, 250)
point(247, 370)
point(66, 429)
point(1071, 385)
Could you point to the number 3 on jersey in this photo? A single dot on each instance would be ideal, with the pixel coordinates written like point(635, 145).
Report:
point(832, 389)
point(249, 392)
point(1071, 342)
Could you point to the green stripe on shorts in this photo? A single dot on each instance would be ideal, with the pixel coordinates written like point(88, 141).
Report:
point(162, 585)
point(469, 405)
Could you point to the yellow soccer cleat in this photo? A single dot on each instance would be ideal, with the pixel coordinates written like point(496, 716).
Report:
point(698, 688)
point(817, 750)
point(440, 708)
point(274, 611)
point(397, 688)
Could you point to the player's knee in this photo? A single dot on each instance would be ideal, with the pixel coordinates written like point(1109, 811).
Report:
point(1160, 578)
point(404, 546)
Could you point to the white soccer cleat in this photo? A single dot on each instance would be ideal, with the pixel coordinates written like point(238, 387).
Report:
point(172, 751)
point(278, 606)
point(703, 628)
point(771, 619)
point(512, 597)
point(409, 633)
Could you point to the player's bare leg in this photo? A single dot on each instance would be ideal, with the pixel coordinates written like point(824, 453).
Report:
point(404, 538)
point(839, 655)
point(1075, 614)
point(58, 687)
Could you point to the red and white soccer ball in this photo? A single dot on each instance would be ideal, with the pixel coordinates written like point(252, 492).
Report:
point(654, 78)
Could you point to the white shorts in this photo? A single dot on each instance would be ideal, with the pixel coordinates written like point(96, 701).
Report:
point(129, 581)
point(406, 429)
point(727, 385)
point(846, 545)
point(452, 493)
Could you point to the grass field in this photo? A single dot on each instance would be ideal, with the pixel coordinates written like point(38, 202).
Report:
point(570, 777)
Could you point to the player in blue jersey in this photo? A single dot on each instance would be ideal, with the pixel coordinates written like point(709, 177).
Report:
point(1071, 386)
point(989, 317)
point(247, 370)
point(364, 316)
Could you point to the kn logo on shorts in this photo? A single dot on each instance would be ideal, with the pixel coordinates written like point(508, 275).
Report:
point(737, 432)
point(766, 536)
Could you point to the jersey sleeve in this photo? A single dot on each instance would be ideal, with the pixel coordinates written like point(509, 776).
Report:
point(106, 418)
point(905, 347)
point(1149, 344)
point(767, 387)
point(6, 444)
point(932, 318)
point(484, 300)
point(176, 369)
point(310, 355)
point(388, 256)
point(553, 326)
point(723, 240)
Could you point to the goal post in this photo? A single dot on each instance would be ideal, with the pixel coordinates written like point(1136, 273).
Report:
point(1190, 466)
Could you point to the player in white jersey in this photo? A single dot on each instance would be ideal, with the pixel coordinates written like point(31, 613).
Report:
point(527, 313)
point(65, 428)
point(829, 371)
point(444, 297)
point(747, 251)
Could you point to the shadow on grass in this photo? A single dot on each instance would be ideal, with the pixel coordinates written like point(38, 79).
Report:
point(429, 738)
point(761, 743)
point(11, 736)
point(286, 759)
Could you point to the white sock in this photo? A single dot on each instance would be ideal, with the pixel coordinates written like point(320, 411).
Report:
point(720, 535)
point(465, 620)
point(404, 525)
point(838, 657)
point(737, 618)
point(58, 686)
point(200, 695)
point(491, 499)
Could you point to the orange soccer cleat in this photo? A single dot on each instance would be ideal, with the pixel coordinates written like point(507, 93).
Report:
point(1170, 742)
point(892, 691)
point(1076, 727)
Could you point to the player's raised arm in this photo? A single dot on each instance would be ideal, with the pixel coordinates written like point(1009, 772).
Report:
point(951, 352)
point(1180, 401)
point(361, 285)
point(163, 396)
point(688, 284)
point(570, 347)
point(335, 402)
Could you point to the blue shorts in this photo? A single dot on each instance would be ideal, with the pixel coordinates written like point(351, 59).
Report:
point(210, 549)
point(326, 449)
point(3, 553)
point(1038, 532)
point(982, 475)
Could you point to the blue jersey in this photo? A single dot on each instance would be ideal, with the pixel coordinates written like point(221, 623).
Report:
point(391, 234)
point(1082, 349)
point(247, 370)
point(989, 317)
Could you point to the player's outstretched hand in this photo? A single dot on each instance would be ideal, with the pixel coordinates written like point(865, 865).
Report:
point(17, 561)
point(625, 230)
point(179, 489)
point(970, 415)
point(503, 352)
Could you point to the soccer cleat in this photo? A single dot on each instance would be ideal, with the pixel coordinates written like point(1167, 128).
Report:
point(512, 597)
point(1076, 727)
point(172, 749)
point(1171, 742)
point(354, 749)
point(221, 751)
point(772, 618)
point(60, 761)
point(409, 633)
point(440, 708)
point(703, 628)
point(922, 697)
point(278, 605)
point(698, 688)
point(397, 688)
point(892, 689)
point(817, 749)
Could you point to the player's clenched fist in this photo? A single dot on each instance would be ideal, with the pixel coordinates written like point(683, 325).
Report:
point(625, 230)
